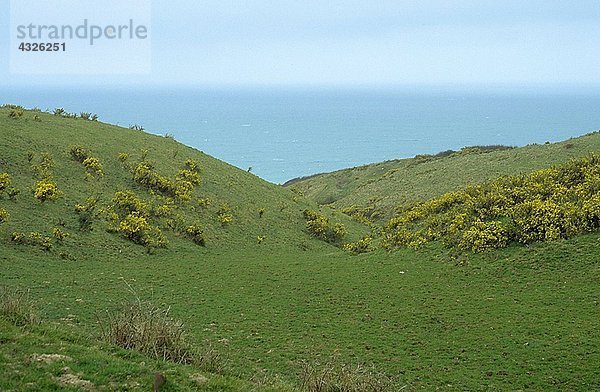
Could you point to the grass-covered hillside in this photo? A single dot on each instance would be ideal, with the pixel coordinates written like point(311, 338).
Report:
point(111, 189)
point(385, 186)
point(124, 255)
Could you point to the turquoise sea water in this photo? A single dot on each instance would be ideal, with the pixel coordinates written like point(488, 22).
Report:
point(286, 134)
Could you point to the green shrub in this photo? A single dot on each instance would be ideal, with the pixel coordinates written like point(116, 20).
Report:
point(204, 203)
point(195, 232)
point(135, 228)
point(482, 236)
point(549, 204)
point(192, 165)
point(44, 168)
point(86, 213)
point(16, 113)
point(224, 214)
point(126, 202)
point(5, 182)
point(79, 153)
point(59, 235)
point(164, 210)
point(189, 176)
point(13, 193)
point(45, 190)
point(361, 246)
point(32, 239)
point(93, 166)
point(123, 157)
point(4, 215)
point(318, 225)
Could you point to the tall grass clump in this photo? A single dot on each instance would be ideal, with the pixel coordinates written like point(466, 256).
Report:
point(17, 307)
point(151, 330)
point(331, 377)
point(148, 329)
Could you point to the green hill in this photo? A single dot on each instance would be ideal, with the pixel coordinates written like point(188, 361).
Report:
point(401, 183)
point(262, 215)
point(282, 308)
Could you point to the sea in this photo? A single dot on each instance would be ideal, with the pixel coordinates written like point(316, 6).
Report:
point(280, 134)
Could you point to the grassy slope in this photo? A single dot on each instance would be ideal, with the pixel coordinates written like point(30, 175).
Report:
point(404, 182)
point(94, 365)
point(519, 318)
point(282, 223)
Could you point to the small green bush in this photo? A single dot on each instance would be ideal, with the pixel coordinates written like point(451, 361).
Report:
point(195, 232)
point(126, 202)
point(45, 190)
point(137, 229)
point(59, 235)
point(16, 113)
point(93, 166)
point(32, 239)
point(79, 153)
point(4, 215)
point(204, 203)
point(123, 157)
point(5, 182)
point(43, 169)
point(86, 213)
point(224, 214)
point(318, 225)
point(361, 246)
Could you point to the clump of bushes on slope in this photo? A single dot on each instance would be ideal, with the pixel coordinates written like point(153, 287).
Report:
point(548, 204)
point(224, 214)
point(361, 246)
point(7, 188)
point(366, 215)
point(195, 232)
point(86, 213)
point(129, 216)
point(182, 188)
point(4, 215)
point(91, 163)
point(32, 239)
point(42, 169)
point(16, 112)
point(319, 226)
point(45, 190)
point(5, 182)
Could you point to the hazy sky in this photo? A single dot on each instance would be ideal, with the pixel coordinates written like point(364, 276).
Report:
point(368, 42)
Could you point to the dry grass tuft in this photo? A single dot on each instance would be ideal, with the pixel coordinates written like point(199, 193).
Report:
point(343, 378)
point(17, 307)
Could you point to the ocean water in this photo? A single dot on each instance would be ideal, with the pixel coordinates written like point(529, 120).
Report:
point(286, 134)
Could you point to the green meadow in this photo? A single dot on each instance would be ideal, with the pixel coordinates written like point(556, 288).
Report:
point(262, 291)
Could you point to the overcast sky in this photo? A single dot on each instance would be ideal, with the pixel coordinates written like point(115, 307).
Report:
point(360, 43)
